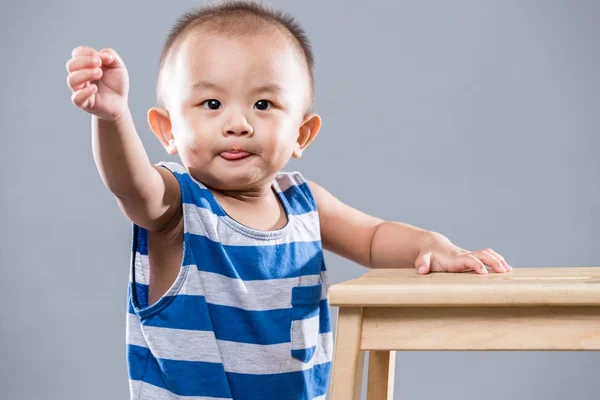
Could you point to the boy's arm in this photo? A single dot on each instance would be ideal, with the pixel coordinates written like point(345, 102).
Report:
point(364, 239)
point(374, 243)
point(149, 196)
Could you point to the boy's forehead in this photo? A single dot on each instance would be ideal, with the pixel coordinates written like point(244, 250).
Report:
point(265, 55)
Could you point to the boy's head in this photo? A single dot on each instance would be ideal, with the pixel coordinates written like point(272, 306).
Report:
point(235, 93)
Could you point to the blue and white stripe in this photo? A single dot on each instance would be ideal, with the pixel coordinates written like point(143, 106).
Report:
point(247, 316)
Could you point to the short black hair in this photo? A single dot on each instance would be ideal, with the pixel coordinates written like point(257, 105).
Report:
point(224, 18)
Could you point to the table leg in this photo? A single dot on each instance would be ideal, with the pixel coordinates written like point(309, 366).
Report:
point(348, 361)
point(382, 368)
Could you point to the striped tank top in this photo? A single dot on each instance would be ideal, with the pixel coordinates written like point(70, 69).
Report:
point(247, 316)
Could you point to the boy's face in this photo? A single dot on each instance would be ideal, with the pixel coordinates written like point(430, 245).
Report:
point(237, 107)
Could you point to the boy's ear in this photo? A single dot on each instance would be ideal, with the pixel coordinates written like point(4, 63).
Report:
point(308, 132)
point(160, 123)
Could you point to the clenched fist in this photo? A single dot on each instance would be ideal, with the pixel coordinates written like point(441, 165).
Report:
point(99, 81)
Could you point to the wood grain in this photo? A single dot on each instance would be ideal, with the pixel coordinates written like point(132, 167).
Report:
point(481, 328)
point(521, 287)
point(347, 368)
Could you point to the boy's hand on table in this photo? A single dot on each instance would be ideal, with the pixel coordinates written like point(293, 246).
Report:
point(438, 254)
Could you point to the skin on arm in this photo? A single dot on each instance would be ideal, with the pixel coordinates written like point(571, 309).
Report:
point(100, 84)
point(364, 239)
point(371, 242)
point(148, 195)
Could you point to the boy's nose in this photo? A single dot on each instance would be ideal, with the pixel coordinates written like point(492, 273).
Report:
point(238, 127)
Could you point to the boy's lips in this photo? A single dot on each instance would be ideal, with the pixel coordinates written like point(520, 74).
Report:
point(233, 155)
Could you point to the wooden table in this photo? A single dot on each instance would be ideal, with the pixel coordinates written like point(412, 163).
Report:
point(396, 309)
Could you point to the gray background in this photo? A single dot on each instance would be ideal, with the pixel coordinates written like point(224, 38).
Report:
point(478, 119)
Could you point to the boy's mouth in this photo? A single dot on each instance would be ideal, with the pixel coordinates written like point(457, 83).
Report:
point(234, 155)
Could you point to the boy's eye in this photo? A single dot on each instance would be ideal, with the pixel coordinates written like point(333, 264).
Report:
point(262, 104)
point(212, 104)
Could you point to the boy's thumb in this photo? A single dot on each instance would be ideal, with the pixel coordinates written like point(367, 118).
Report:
point(111, 59)
point(423, 263)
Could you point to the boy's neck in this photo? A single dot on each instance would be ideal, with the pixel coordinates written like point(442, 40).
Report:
point(259, 208)
point(256, 195)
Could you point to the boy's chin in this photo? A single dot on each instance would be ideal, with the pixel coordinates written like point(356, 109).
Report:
point(234, 180)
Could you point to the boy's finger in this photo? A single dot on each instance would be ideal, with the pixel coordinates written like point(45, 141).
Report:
point(499, 257)
point(423, 263)
point(490, 260)
point(83, 97)
point(77, 78)
point(472, 262)
point(83, 51)
point(79, 62)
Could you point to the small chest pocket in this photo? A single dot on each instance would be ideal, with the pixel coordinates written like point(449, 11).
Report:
point(305, 321)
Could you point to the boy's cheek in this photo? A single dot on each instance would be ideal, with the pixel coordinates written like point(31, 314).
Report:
point(195, 143)
point(194, 147)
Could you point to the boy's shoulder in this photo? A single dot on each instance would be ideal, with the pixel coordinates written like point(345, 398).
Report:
point(286, 180)
point(173, 167)
point(294, 186)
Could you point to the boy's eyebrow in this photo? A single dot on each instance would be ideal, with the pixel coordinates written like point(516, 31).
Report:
point(206, 85)
point(270, 87)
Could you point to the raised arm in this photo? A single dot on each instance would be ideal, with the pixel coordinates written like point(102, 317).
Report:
point(148, 195)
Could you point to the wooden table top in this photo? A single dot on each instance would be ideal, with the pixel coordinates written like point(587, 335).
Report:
point(570, 286)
